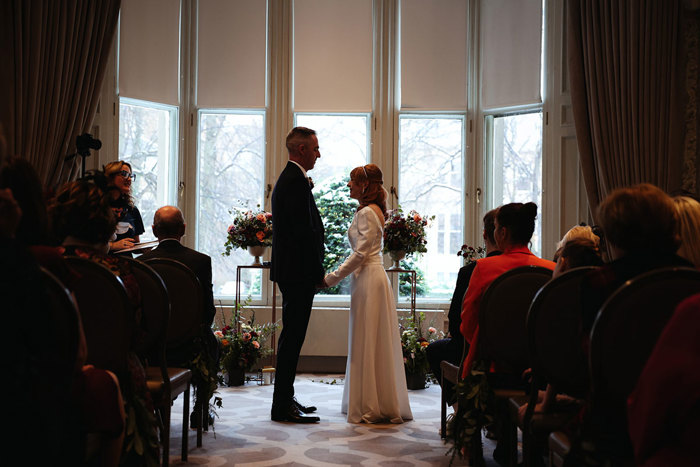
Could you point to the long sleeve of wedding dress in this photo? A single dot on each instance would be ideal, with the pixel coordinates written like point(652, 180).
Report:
point(364, 232)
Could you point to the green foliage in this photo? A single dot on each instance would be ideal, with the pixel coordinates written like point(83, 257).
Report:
point(475, 409)
point(337, 210)
point(242, 343)
point(414, 343)
point(422, 287)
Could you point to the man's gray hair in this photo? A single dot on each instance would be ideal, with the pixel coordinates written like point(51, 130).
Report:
point(298, 135)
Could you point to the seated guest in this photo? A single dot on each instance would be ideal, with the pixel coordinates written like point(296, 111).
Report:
point(688, 211)
point(83, 220)
point(579, 231)
point(639, 223)
point(663, 411)
point(576, 253)
point(169, 227)
point(514, 225)
point(129, 222)
point(451, 349)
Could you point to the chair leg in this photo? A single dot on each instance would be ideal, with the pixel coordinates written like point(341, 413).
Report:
point(165, 442)
point(443, 412)
point(185, 422)
point(199, 409)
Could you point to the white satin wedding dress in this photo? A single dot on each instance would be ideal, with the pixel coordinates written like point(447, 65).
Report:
point(375, 382)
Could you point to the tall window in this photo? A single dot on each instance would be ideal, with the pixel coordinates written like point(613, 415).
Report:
point(230, 178)
point(516, 155)
point(147, 141)
point(431, 166)
point(344, 144)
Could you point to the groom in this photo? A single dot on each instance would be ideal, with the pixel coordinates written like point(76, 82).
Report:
point(297, 257)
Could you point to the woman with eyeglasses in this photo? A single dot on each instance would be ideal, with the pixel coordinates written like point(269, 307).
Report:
point(129, 222)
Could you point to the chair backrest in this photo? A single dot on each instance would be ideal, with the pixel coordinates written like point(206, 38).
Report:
point(628, 326)
point(106, 313)
point(64, 325)
point(186, 302)
point(503, 313)
point(155, 311)
point(555, 335)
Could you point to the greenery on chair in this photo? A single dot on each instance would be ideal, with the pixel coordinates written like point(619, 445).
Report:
point(476, 408)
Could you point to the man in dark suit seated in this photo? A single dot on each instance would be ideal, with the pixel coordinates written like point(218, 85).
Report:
point(451, 349)
point(169, 227)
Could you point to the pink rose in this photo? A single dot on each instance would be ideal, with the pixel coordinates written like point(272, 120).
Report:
point(256, 344)
point(246, 336)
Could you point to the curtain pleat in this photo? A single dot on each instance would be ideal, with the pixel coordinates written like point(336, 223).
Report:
point(51, 86)
point(623, 61)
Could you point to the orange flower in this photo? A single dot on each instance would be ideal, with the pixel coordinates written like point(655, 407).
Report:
point(260, 235)
point(224, 342)
point(261, 217)
point(424, 344)
point(256, 344)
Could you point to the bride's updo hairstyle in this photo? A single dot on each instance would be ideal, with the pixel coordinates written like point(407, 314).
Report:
point(519, 221)
point(374, 193)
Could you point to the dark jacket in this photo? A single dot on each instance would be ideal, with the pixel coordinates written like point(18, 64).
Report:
point(297, 243)
point(198, 262)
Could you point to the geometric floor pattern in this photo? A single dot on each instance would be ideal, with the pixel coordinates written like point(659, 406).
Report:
point(244, 435)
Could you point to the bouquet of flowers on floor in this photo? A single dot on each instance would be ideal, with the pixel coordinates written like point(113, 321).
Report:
point(414, 343)
point(249, 228)
point(469, 253)
point(405, 233)
point(242, 343)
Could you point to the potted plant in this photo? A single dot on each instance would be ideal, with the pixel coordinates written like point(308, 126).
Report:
point(404, 235)
point(413, 347)
point(242, 345)
point(251, 230)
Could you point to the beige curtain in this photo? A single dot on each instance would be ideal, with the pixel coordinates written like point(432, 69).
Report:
point(50, 78)
point(624, 68)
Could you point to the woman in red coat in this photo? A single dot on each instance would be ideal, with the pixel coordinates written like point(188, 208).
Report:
point(515, 223)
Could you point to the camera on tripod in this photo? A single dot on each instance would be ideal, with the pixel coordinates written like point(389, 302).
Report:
point(85, 142)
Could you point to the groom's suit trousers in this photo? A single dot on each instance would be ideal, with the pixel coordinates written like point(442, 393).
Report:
point(297, 298)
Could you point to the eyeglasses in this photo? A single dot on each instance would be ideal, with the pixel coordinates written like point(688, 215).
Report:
point(126, 174)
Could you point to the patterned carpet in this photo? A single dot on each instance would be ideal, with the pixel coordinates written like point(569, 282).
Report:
point(244, 434)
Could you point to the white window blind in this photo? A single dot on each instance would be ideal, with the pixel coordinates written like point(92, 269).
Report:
point(511, 41)
point(231, 53)
point(149, 44)
point(333, 55)
point(433, 54)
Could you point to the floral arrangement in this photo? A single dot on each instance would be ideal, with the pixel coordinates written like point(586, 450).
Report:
point(242, 343)
point(405, 233)
point(249, 228)
point(469, 253)
point(414, 344)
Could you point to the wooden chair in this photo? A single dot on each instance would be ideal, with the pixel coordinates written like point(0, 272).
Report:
point(186, 314)
point(556, 357)
point(106, 314)
point(164, 383)
point(503, 341)
point(623, 336)
point(65, 325)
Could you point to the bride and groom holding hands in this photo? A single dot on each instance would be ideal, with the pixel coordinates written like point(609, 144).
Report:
point(375, 383)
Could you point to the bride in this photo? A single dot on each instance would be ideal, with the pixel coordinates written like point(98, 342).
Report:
point(375, 382)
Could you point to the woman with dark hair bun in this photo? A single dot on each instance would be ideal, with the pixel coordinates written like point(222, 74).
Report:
point(375, 382)
point(515, 224)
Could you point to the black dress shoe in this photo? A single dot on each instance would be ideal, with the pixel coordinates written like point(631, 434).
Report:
point(292, 415)
point(302, 408)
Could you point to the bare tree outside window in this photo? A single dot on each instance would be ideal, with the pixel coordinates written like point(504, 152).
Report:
point(231, 160)
point(517, 164)
point(146, 141)
point(431, 161)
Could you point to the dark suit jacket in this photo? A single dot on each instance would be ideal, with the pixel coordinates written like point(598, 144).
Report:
point(198, 262)
point(297, 243)
point(454, 316)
